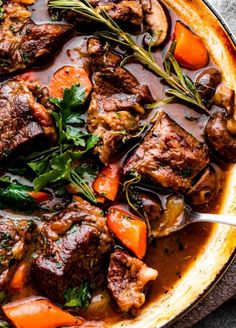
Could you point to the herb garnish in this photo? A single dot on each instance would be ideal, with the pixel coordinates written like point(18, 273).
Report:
point(78, 297)
point(16, 196)
point(182, 87)
point(60, 164)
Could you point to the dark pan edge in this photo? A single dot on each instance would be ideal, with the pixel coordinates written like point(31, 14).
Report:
point(233, 256)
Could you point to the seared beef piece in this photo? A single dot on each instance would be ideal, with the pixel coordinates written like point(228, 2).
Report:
point(117, 102)
point(14, 235)
point(75, 250)
point(22, 42)
point(116, 109)
point(122, 11)
point(220, 139)
point(100, 56)
point(169, 156)
point(22, 118)
point(127, 280)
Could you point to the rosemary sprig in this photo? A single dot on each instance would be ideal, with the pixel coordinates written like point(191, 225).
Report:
point(180, 86)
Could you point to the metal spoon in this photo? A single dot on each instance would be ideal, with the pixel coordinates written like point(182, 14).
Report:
point(188, 216)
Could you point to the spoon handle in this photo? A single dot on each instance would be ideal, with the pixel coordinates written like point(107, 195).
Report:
point(217, 218)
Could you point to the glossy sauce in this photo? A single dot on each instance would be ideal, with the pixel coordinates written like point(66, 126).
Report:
point(173, 255)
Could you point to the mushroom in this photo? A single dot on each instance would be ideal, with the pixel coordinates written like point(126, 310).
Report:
point(156, 20)
point(220, 138)
point(205, 189)
point(207, 83)
point(224, 97)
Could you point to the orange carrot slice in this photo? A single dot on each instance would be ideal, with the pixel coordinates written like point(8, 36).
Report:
point(107, 182)
point(38, 313)
point(39, 196)
point(129, 229)
point(20, 277)
point(66, 77)
point(190, 51)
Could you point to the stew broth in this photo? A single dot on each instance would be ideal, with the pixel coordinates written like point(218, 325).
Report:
point(171, 256)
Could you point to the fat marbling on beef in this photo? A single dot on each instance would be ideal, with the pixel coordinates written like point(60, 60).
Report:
point(127, 280)
point(23, 119)
point(169, 156)
point(22, 42)
point(117, 103)
point(78, 252)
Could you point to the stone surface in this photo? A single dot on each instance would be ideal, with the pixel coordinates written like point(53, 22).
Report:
point(227, 8)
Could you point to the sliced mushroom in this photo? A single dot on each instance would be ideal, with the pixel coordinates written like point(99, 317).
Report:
point(205, 189)
point(157, 22)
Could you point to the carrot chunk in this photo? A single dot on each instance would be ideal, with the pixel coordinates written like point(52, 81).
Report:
point(107, 182)
point(20, 277)
point(66, 77)
point(39, 196)
point(190, 51)
point(38, 313)
point(129, 229)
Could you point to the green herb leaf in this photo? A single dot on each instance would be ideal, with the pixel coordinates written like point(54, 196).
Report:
point(16, 196)
point(74, 97)
point(78, 297)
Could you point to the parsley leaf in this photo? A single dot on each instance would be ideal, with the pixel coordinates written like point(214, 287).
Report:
point(78, 297)
point(16, 196)
point(69, 113)
point(59, 164)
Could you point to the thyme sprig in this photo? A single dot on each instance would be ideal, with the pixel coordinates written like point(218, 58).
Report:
point(181, 86)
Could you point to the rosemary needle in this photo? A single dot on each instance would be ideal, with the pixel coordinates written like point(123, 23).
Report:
point(180, 89)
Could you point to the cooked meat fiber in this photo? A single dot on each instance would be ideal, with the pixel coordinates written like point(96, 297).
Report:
point(122, 11)
point(14, 235)
point(22, 118)
point(117, 103)
point(22, 42)
point(77, 255)
point(220, 138)
point(127, 280)
point(169, 156)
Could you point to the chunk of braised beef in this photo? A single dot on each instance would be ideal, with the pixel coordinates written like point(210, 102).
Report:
point(75, 251)
point(100, 56)
point(23, 119)
point(220, 138)
point(117, 102)
point(169, 156)
point(124, 12)
point(128, 278)
point(22, 42)
point(14, 237)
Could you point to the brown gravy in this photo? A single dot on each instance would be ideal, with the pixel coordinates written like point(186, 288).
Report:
point(173, 255)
